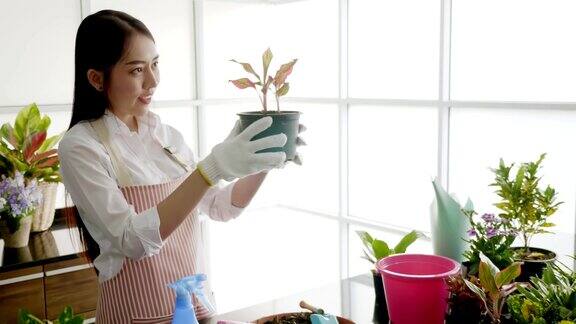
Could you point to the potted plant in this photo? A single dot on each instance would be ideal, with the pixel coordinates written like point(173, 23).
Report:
point(66, 317)
point(489, 235)
point(374, 250)
point(26, 148)
point(283, 121)
point(493, 286)
point(464, 306)
point(18, 201)
point(550, 299)
point(527, 207)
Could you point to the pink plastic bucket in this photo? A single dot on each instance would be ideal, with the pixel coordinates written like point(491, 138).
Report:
point(415, 287)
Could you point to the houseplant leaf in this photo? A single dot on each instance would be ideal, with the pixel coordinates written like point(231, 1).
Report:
point(7, 133)
point(32, 143)
point(381, 249)
point(283, 90)
point(491, 267)
point(39, 156)
point(25, 317)
point(50, 142)
point(477, 290)
point(266, 59)
point(487, 279)
point(507, 275)
point(248, 68)
point(243, 83)
point(282, 73)
point(406, 241)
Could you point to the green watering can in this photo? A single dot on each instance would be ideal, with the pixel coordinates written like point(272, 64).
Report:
point(449, 225)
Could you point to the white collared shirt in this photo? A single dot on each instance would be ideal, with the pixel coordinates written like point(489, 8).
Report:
point(89, 177)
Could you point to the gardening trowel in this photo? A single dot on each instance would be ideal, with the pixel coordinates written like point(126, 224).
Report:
point(318, 315)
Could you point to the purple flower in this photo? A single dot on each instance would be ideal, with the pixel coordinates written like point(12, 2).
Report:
point(491, 232)
point(17, 197)
point(489, 218)
point(472, 232)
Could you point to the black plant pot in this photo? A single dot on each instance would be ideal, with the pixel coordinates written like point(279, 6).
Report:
point(532, 268)
point(282, 122)
point(380, 314)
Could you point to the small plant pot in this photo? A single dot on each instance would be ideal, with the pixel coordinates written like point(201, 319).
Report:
point(380, 314)
point(282, 122)
point(44, 214)
point(20, 237)
point(296, 317)
point(534, 267)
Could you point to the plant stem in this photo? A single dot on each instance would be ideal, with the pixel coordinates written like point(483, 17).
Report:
point(259, 97)
point(277, 103)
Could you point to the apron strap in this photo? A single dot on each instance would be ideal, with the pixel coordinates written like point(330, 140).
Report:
point(124, 178)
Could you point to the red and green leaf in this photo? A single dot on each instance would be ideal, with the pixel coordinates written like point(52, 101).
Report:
point(283, 90)
point(282, 73)
point(266, 59)
point(39, 156)
point(50, 142)
point(248, 68)
point(32, 144)
point(49, 162)
point(243, 83)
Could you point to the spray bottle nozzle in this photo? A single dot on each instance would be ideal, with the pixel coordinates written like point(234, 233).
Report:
point(188, 286)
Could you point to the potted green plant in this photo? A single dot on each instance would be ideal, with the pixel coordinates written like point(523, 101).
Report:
point(66, 317)
point(493, 287)
point(550, 299)
point(25, 147)
point(464, 306)
point(374, 250)
point(489, 235)
point(18, 200)
point(283, 121)
point(527, 207)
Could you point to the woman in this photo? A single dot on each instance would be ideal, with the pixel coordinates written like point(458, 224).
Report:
point(135, 183)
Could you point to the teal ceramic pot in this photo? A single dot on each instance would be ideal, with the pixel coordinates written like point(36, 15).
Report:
point(282, 122)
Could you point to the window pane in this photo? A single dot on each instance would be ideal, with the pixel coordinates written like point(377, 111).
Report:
point(312, 186)
point(359, 265)
point(392, 161)
point(270, 247)
point(243, 31)
point(37, 56)
point(393, 48)
point(513, 50)
point(480, 137)
point(172, 25)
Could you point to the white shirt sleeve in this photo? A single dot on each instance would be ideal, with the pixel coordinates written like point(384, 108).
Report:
point(112, 222)
point(217, 202)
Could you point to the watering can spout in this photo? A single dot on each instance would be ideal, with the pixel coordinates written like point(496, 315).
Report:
point(448, 224)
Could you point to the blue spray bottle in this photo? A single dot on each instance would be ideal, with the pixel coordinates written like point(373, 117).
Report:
point(184, 309)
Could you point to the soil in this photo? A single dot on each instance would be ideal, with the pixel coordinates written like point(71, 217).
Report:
point(297, 318)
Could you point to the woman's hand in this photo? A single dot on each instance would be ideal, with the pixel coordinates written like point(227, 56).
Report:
point(236, 156)
point(299, 142)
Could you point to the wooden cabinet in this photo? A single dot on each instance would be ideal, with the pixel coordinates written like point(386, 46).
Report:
point(46, 290)
point(71, 283)
point(21, 289)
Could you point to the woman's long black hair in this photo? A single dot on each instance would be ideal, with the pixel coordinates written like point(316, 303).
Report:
point(100, 43)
